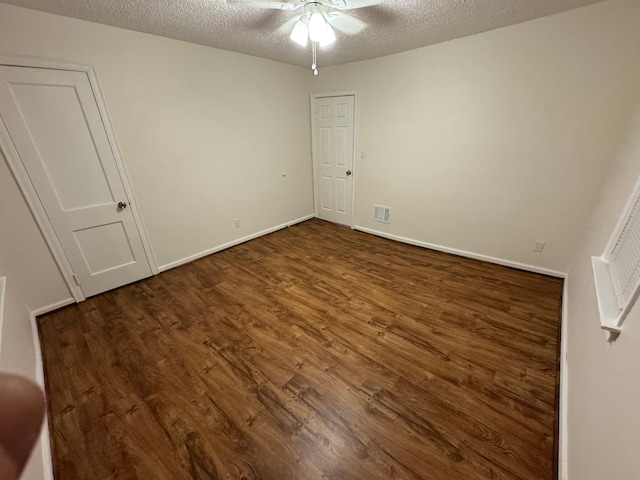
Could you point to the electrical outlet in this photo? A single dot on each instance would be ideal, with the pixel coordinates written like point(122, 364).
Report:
point(363, 154)
point(539, 246)
point(236, 222)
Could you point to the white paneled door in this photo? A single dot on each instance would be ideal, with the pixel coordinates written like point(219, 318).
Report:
point(55, 125)
point(333, 158)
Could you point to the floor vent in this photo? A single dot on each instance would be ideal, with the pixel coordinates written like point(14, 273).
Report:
point(381, 213)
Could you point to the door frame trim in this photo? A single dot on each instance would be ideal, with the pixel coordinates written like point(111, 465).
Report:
point(339, 93)
point(29, 192)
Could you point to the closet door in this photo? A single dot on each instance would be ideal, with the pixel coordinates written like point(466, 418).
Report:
point(54, 123)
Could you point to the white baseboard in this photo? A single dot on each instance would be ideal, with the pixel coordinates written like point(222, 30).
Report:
point(3, 283)
point(463, 253)
point(54, 306)
point(45, 444)
point(45, 439)
point(563, 469)
point(34, 331)
point(233, 243)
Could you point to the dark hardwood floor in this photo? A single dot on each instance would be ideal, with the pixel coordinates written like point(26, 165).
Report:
point(316, 352)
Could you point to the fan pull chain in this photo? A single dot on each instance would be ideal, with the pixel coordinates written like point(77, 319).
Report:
point(314, 67)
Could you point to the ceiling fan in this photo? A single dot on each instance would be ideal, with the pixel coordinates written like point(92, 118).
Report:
point(317, 20)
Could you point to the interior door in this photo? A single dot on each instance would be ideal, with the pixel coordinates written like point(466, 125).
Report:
point(333, 158)
point(54, 123)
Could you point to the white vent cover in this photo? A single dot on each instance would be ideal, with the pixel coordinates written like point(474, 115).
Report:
point(381, 213)
point(617, 270)
point(624, 258)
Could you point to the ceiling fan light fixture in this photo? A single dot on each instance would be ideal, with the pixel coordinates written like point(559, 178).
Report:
point(328, 37)
point(317, 26)
point(300, 34)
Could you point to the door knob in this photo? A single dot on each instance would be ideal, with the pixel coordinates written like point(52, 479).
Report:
point(348, 172)
point(122, 205)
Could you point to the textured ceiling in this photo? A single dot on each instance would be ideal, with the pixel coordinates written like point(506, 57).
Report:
point(394, 25)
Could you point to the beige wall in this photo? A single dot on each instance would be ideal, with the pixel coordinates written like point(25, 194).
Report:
point(603, 381)
point(491, 142)
point(23, 250)
point(205, 134)
point(18, 355)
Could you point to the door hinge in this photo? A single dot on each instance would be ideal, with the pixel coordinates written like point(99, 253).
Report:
point(75, 279)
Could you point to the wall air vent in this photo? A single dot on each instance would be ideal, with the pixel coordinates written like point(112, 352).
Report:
point(381, 213)
point(617, 271)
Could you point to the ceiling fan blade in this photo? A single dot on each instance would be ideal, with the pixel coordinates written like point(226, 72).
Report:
point(345, 23)
point(353, 4)
point(285, 29)
point(271, 5)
